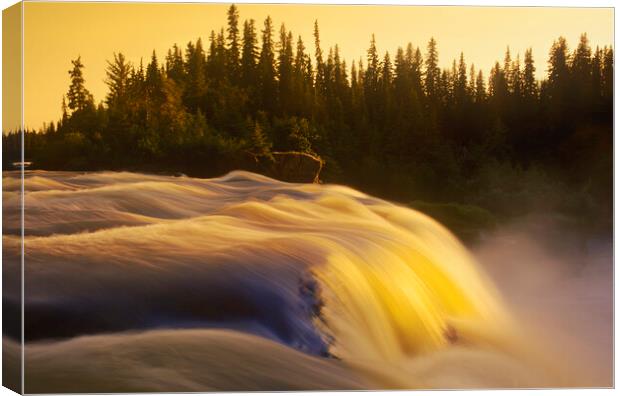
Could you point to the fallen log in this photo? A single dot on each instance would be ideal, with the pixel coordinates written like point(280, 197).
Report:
point(313, 157)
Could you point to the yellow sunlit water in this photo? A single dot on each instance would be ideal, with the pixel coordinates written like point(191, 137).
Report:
point(403, 304)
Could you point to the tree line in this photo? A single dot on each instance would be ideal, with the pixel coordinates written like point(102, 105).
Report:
point(398, 126)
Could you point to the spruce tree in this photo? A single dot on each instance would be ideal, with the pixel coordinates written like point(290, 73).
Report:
point(249, 54)
point(175, 68)
point(558, 72)
point(596, 80)
point(530, 86)
point(261, 146)
point(78, 96)
point(581, 69)
point(581, 59)
point(266, 68)
point(117, 79)
point(432, 75)
point(195, 65)
point(460, 93)
point(507, 70)
point(516, 77)
point(154, 83)
point(320, 66)
point(481, 91)
point(372, 70)
point(471, 87)
point(608, 74)
point(285, 67)
point(233, 43)
point(416, 69)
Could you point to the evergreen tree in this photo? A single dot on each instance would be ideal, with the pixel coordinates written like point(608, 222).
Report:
point(460, 90)
point(249, 54)
point(78, 96)
point(608, 74)
point(216, 62)
point(285, 67)
point(195, 64)
point(372, 70)
point(386, 71)
point(498, 89)
point(63, 108)
point(402, 75)
point(416, 63)
point(302, 79)
point(266, 68)
point(530, 87)
point(558, 88)
point(507, 70)
point(233, 43)
point(580, 65)
point(597, 78)
point(581, 69)
point(339, 72)
point(261, 147)
point(432, 76)
point(481, 92)
point(117, 79)
point(558, 68)
point(300, 58)
point(471, 87)
point(318, 56)
point(154, 85)
point(404, 128)
point(175, 67)
point(444, 88)
point(516, 79)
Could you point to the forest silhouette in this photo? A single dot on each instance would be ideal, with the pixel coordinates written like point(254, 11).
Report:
point(399, 127)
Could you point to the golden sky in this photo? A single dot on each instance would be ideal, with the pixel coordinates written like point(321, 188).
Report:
point(55, 33)
point(11, 66)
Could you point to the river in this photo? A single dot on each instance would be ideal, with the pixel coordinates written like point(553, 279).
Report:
point(140, 282)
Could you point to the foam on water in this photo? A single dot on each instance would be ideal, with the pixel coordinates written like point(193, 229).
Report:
point(321, 269)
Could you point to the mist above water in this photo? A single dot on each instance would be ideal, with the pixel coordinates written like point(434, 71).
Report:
point(131, 277)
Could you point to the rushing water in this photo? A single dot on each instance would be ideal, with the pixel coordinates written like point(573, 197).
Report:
point(154, 283)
